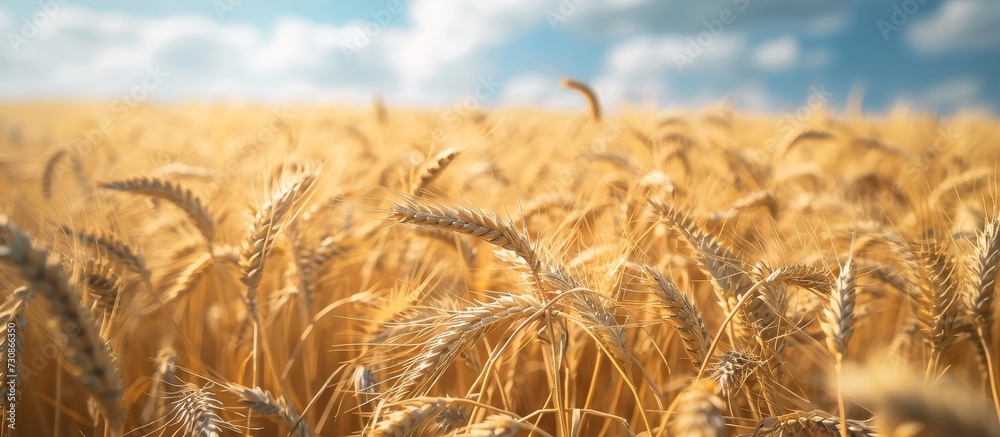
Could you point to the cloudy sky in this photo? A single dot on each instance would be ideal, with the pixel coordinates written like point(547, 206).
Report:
point(758, 54)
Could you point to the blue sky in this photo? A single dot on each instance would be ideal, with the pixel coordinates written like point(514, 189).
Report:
point(769, 55)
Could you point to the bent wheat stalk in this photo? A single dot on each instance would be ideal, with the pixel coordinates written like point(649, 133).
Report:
point(279, 409)
point(430, 171)
point(588, 94)
point(173, 193)
point(88, 357)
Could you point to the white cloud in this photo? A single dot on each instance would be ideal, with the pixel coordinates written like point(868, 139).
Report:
point(437, 57)
point(957, 24)
point(638, 70)
point(778, 54)
point(961, 91)
point(6, 21)
point(449, 44)
point(753, 96)
point(950, 95)
point(690, 17)
point(86, 53)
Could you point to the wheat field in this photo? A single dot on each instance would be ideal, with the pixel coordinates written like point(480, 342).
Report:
point(224, 269)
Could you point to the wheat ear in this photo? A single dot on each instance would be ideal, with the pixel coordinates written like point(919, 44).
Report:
point(733, 369)
point(278, 409)
point(699, 412)
point(430, 171)
point(104, 283)
point(938, 309)
point(983, 274)
point(88, 357)
point(13, 312)
point(983, 271)
point(838, 325)
point(490, 229)
point(727, 271)
point(112, 247)
point(906, 405)
point(498, 425)
point(460, 329)
point(51, 165)
point(588, 94)
point(812, 423)
point(171, 192)
point(195, 411)
point(683, 316)
point(163, 377)
point(264, 229)
point(415, 412)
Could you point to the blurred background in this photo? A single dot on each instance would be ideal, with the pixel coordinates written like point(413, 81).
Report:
point(767, 55)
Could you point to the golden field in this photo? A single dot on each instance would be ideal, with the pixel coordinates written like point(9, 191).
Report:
point(235, 269)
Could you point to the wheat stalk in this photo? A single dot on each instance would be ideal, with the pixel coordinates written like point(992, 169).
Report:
point(264, 229)
point(497, 425)
point(171, 192)
point(163, 376)
point(13, 313)
point(490, 229)
point(838, 325)
point(430, 171)
point(459, 330)
point(413, 414)
point(683, 316)
point(588, 94)
point(195, 410)
point(732, 370)
point(112, 247)
point(938, 309)
point(983, 272)
point(104, 283)
point(88, 357)
point(811, 423)
point(279, 409)
point(699, 412)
